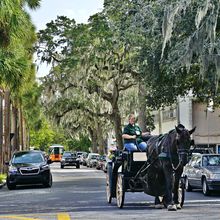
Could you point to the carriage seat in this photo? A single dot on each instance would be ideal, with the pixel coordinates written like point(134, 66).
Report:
point(135, 155)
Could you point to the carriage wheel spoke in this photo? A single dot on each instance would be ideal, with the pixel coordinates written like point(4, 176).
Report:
point(120, 191)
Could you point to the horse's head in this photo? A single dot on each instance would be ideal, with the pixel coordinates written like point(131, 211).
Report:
point(184, 142)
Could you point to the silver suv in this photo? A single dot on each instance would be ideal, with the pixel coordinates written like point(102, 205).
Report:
point(92, 159)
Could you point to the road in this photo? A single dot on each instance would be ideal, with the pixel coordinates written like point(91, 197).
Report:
point(80, 194)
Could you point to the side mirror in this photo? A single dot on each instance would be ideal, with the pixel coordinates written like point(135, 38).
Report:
point(49, 161)
point(196, 166)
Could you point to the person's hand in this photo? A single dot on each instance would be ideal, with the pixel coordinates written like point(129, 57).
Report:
point(145, 133)
point(133, 136)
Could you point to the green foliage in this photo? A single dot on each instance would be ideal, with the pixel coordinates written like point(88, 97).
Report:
point(96, 63)
point(45, 136)
point(2, 178)
point(81, 144)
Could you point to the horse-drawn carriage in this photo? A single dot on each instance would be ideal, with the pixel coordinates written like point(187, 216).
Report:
point(156, 172)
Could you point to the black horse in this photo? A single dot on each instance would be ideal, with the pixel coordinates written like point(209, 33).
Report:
point(167, 155)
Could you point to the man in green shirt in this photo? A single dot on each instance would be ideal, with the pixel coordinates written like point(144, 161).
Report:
point(132, 136)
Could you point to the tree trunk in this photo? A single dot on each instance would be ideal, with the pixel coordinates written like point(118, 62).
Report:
point(21, 130)
point(15, 140)
point(116, 118)
point(159, 121)
point(100, 139)
point(1, 133)
point(25, 146)
point(142, 118)
point(7, 144)
point(93, 135)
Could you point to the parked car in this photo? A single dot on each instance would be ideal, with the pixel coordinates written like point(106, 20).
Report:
point(203, 172)
point(69, 159)
point(92, 159)
point(28, 167)
point(101, 162)
point(202, 150)
point(81, 155)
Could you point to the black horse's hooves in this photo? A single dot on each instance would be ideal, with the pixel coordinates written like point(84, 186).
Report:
point(171, 208)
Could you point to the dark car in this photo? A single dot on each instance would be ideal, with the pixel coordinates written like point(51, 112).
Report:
point(203, 172)
point(69, 159)
point(28, 167)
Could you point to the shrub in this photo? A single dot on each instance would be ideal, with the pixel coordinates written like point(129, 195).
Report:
point(2, 178)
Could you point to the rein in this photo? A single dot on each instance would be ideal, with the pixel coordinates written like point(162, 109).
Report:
point(175, 168)
point(179, 152)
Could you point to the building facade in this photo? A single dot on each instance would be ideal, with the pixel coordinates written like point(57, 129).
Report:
point(191, 113)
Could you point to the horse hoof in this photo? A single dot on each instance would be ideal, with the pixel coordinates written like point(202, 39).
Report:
point(171, 208)
point(159, 206)
point(178, 206)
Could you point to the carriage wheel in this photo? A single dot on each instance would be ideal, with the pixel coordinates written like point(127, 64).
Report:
point(109, 183)
point(181, 193)
point(120, 191)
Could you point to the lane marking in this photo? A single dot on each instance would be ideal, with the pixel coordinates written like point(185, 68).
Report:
point(202, 201)
point(63, 216)
point(17, 217)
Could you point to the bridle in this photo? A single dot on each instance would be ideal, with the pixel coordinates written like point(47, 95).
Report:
point(180, 152)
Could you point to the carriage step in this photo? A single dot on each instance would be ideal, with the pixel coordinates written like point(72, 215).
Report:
point(135, 190)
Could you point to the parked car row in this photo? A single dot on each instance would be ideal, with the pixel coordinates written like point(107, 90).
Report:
point(32, 167)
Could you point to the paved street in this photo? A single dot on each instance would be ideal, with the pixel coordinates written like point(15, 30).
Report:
point(80, 194)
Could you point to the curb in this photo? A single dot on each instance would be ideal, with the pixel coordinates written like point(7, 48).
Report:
point(2, 184)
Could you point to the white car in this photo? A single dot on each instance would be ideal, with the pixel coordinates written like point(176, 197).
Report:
point(92, 159)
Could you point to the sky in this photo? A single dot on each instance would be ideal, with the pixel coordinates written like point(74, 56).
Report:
point(80, 10)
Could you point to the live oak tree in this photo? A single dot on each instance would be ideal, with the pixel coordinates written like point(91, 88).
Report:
point(93, 62)
point(178, 45)
point(192, 28)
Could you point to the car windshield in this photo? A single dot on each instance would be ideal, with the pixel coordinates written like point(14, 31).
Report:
point(94, 157)
point(102, 157)
point(69, 154)
point(27, 157)
point(212, 160)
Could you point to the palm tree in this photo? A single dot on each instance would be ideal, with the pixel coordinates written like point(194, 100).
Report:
point(17, 35)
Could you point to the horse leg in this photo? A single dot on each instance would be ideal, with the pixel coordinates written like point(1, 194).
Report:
point(168, 173)
point(158, 203)
point(177, 177)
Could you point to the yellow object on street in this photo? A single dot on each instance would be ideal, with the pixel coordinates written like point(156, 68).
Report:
point(43, 216)
point(63, 216)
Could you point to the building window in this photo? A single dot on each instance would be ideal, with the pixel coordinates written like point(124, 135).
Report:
point(169, 114)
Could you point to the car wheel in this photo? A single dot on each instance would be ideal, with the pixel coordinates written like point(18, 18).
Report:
point(48, 182)
point(11, 186)
point(187, 185)
point(62, 166)
point(78, 166)
point(205, 188)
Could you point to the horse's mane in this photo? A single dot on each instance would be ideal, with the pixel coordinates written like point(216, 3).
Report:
point(180, 126)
